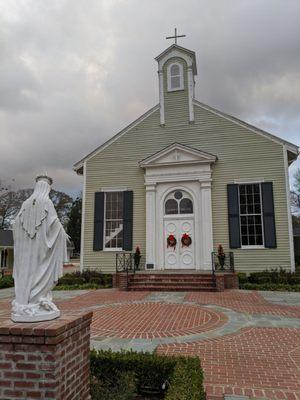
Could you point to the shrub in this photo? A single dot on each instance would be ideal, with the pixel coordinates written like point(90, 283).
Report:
point(95, 279)
point(271, 280)
point(121, 386)
point(270, 286)
point(187, 381)
point(153, 374)
point(6, 282)
point(77, 287)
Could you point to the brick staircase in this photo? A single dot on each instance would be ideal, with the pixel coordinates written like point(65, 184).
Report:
point(172, 282)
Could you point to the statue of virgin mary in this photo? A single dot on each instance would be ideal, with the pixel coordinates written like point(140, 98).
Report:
point(40, 249)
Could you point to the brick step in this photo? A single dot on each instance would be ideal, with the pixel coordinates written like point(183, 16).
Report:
point(178, 281)
point(165, 282)
point(177, 288)
point(188, 276)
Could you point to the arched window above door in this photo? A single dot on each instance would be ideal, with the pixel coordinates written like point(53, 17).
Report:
point(178, 202)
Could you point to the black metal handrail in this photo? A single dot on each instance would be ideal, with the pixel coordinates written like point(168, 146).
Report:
point(128, 263)
point(222, 263)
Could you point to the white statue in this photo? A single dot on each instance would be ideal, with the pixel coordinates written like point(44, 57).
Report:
point(40, 249)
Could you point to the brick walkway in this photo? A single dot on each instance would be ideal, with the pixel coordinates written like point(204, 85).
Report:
point(154, 320)
point(256, 362)
point(248, 343)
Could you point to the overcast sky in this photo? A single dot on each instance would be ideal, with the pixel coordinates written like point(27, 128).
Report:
point(74, 72)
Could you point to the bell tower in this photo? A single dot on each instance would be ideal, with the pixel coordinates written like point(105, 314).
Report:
point(176, 72)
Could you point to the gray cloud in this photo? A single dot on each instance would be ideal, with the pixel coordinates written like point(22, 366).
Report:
point(72, 73)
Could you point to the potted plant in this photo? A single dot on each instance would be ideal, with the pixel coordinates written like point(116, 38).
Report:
point(221, 256)
point(137, 257)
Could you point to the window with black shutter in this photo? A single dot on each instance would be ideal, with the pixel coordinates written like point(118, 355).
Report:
point(113, 225)
point(251, 215)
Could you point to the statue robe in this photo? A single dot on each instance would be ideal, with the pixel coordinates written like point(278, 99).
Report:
point(40, 250)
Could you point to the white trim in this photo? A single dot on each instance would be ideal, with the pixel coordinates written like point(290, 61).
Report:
point(83, 217)
point(203, 157)
point(177, 51)
point(161, 97)
point(117, 249)
point(181, 77)
point(292, 147)
point(254, 247)
point(191, 88)
point(250, 180)
point(114, 189)
point(79, 164)
point(290, 225)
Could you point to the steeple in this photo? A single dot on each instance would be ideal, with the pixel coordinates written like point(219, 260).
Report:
point(176, 71)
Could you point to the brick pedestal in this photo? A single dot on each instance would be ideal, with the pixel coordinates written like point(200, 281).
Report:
point(45, 360)
point(120, 280)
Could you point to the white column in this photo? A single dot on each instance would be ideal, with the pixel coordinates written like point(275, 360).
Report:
point(206, 224)
point(289, 212)
point(191, 93)
point(83, 217)
point(161, 97)
point(150, 224)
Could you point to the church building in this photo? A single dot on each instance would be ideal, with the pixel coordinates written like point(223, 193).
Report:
point(184, 178)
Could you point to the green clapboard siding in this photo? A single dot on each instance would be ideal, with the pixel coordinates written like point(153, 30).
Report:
point(242, 154)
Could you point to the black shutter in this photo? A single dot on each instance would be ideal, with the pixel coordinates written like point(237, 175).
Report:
point(268, 214)
point(127, 219)
point(98, 221)
point(233, 216)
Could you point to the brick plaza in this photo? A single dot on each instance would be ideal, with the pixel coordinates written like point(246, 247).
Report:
point(248, 342)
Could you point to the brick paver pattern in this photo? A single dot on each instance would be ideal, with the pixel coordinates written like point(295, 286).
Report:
point(259, 362)
point(255, 362)
point(154, 320)
point(252, 303)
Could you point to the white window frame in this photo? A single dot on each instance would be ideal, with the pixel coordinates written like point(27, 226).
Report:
point(114, 249)
point(254, 246)
point(181, 86)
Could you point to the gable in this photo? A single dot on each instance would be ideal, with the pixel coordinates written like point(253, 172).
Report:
point(176, 154)
point(150, 126)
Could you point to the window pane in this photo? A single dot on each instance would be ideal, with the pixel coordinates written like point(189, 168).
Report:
point(175, 82)
point(186, 206)
point(171, 207)
point(175, 70)
point(113, 220)
point(250, 215)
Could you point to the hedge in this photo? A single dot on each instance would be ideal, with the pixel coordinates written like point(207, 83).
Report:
point(173, 378)
point(271, 280)
point(87, 279)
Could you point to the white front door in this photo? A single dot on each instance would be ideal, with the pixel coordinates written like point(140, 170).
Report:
point(180, 256)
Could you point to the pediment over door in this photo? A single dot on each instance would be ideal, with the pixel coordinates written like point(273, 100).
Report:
point(177, 154)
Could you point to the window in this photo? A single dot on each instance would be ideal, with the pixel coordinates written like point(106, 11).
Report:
point(178, 202)
point(175, 77)
point(113, 224)
point(250, 205)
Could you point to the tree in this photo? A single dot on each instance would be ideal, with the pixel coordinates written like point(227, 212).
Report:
point(8, 205)
point(74, 223)
point(11, 201)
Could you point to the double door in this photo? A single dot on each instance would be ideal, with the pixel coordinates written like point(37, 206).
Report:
point(180, 256)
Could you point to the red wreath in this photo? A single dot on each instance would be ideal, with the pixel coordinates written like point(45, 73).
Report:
point(186, 240)
point(171, 241)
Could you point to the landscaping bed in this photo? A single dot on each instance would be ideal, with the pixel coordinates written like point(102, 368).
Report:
point(87, 279)
point(274, 280)
point(145, 376)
